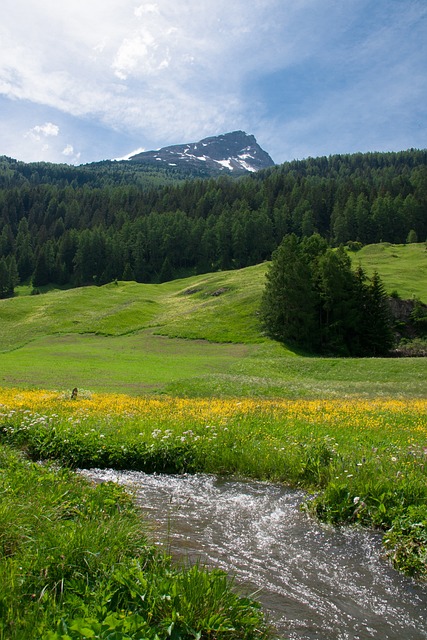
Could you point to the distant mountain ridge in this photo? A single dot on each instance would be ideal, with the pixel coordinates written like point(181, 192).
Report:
point(235, 153)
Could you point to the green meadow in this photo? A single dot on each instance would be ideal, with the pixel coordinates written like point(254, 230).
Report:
point(402, 267)
point(203, 390)
point(197, 336)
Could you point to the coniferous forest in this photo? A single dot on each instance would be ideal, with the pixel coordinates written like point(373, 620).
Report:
point(119, 220)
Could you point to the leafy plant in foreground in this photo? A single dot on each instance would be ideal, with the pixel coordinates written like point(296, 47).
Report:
point(406, 542)
point(75, 563)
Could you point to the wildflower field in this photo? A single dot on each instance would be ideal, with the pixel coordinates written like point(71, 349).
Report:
point(363, 461)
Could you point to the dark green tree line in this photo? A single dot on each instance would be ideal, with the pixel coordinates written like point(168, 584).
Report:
point(54, 217)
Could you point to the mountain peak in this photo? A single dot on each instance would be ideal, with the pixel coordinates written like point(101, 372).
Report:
point(235, 152)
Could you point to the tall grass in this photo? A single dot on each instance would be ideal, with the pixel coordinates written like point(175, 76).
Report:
point(75, 563)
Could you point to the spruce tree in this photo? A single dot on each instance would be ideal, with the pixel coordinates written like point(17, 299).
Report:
point(4, 279)
point(288, 304)
point(41, 272)
point(13, 274)
point(379, 332)
point(24, 251)
point(335, 283)
point(362, 298)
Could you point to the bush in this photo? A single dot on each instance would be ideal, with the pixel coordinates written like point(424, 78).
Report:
point(406, 542)
point(354, 246)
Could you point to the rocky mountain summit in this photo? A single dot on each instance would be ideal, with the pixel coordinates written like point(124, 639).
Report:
point(235, 153)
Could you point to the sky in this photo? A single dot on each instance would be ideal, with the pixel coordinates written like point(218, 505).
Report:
point(83, 81)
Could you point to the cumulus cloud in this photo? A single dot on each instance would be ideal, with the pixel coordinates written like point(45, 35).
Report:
point(43, 130)
point(72, 156)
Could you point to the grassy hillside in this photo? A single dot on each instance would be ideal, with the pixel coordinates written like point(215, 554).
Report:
point(220, 307)
point(198, 336)
point(402, 267)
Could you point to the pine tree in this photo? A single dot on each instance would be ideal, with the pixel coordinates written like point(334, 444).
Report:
point(24, 251)
point(288, 303)
point(13, 273)
point(5, 285)
point(41, 271)
point(359, 344)
point(128, 273)
point(378, 327)
point(335, 282)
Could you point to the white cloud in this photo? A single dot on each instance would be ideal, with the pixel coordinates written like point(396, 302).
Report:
point(171, 71)
point(137, 54)
point(72, 156)
point(43, 130)
point(146, 8)
point(135, 67)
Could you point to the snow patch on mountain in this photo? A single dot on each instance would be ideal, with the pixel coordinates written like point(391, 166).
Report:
point(235, 152)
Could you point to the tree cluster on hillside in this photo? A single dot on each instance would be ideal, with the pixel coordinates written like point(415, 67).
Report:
point(315, 301)
point(93, 224)
point(14, 173)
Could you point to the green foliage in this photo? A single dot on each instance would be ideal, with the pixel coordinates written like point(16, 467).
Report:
point(181, 605)
point(314, 300)
point(412, 236)
point(9, 276)
point(406, 542)
point(377, 327)
point(354, 246)
point(288, 303)
point(419, 317)
point(5, 284)
point(104, 221)
point(416, 348)
point(75, 563)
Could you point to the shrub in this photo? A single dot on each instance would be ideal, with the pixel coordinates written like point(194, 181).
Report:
point(406, 542)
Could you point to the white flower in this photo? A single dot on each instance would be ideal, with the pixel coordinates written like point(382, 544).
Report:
point(356, 499)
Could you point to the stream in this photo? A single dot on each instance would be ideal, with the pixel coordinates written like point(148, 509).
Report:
point(313, 581)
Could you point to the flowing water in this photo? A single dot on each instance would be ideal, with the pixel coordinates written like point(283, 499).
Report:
point(314, 582)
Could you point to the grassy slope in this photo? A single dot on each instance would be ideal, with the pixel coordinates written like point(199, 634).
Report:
point(114, 338)
point(403, 267)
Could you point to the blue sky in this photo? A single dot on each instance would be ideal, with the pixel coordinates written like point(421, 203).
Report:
point(99, 79)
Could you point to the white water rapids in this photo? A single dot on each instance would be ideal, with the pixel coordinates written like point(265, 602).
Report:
point(314, 582)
